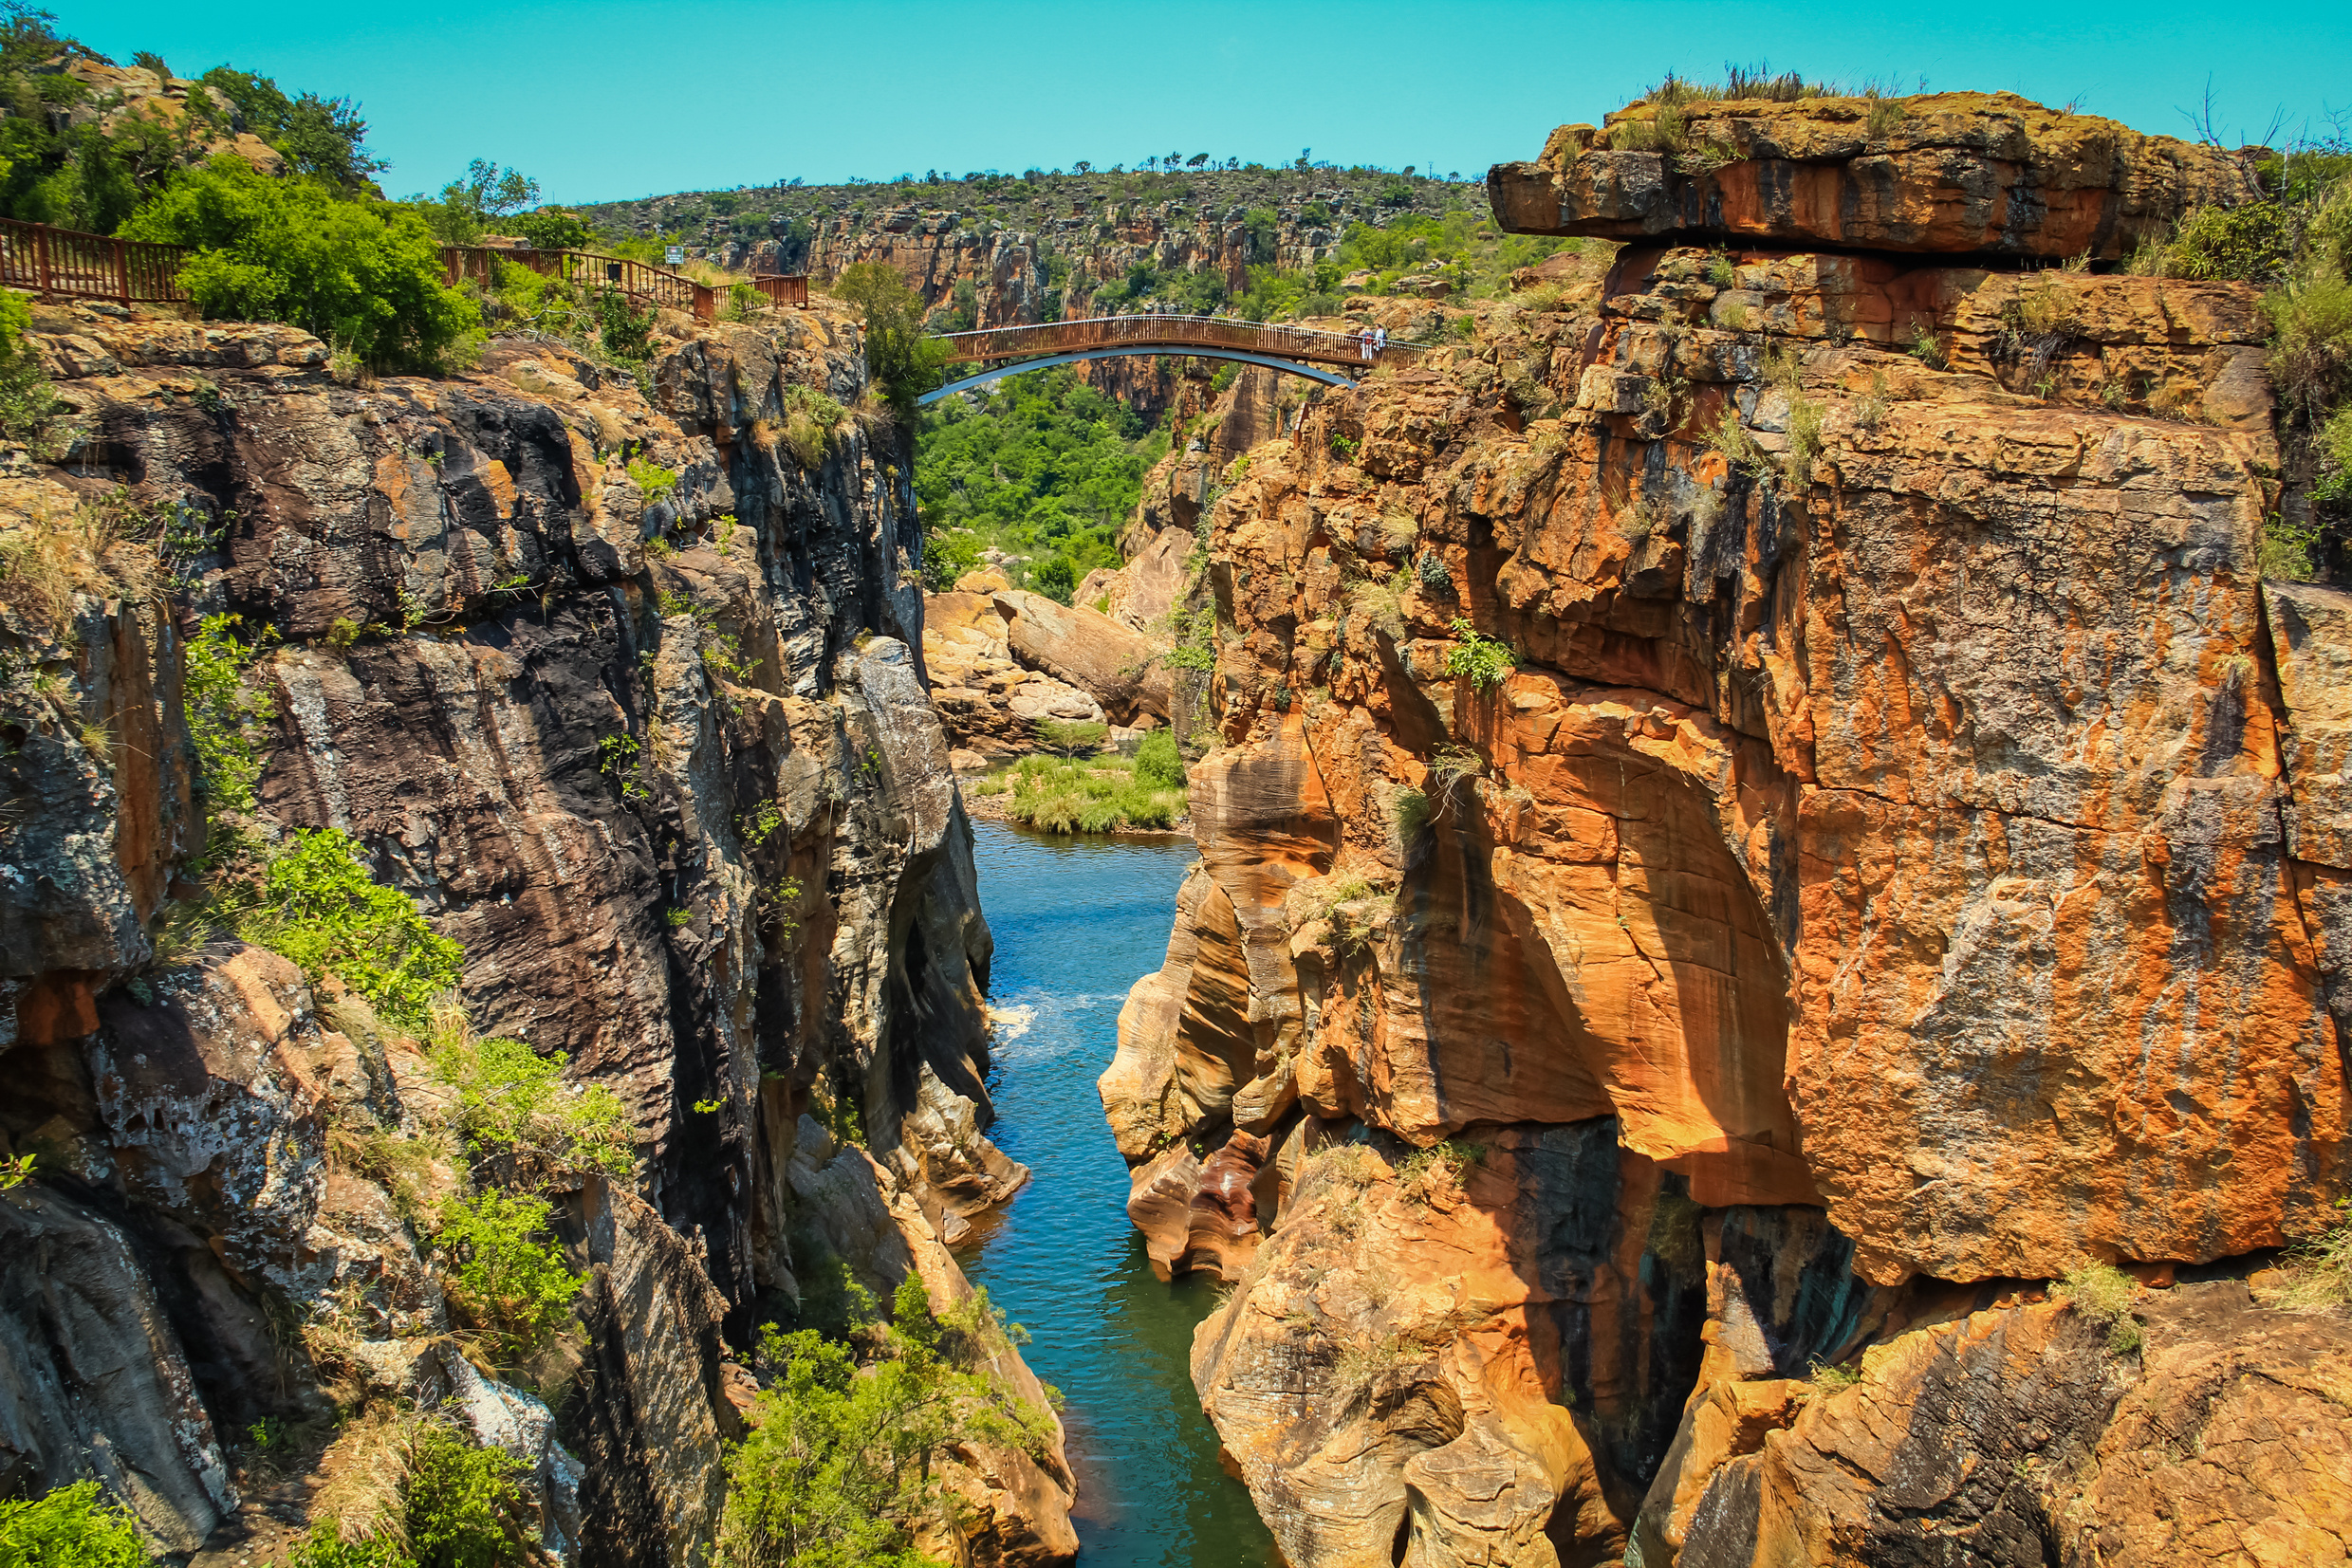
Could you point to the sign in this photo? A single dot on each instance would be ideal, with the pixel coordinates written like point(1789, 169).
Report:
point(677, 256)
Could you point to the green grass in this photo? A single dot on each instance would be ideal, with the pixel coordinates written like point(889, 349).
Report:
point(72, 1527)
point(1104, 795)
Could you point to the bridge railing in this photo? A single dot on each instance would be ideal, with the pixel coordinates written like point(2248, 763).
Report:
point(1172, 331)
point(593, 271)
point(51, 262)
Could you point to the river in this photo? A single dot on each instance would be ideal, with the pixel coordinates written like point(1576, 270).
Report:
point(1077, 921)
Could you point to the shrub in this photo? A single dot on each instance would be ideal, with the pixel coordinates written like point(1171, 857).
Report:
point(1738, 447)
point(462, 1506)
point(1158, 762)
point(1427, 1174)
point(223, 712)
point(1486, 662)
point(657, 483)
point(2100, 1294)
point(365, 275)
point(71, 1527)
point(2252, 243)
point(552, 228)
point(840, 1460)
point(510, 1098)
point(1069, 738)
point(508, 1283)
point(2286, 551)
point(626, 332)
point(325, 1548)
point(318, 907)
point(1410, 812)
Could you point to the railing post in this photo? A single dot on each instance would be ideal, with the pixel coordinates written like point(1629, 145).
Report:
point(123, 271)
point(41, 257)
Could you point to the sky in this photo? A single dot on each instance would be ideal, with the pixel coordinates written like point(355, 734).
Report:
point(602, 101)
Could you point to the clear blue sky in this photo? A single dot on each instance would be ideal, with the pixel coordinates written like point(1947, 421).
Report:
point(604, 100)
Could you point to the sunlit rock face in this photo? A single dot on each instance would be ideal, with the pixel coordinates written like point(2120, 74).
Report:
point(1808, 729)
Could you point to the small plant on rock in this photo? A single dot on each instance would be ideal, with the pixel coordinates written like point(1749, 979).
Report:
point(2100, 1294)
point(1483, 660)
point(508, 1282)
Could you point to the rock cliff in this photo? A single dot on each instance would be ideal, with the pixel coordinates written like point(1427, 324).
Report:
point(629, 700)
point(1764, 808)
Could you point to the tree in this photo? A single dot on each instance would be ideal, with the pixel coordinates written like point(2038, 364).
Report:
point(554, 228)
point(366, 276)
point(465, 207)
point(903, 363)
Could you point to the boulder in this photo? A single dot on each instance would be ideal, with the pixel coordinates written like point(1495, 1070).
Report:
point(1967, 174)
point(1114, 664)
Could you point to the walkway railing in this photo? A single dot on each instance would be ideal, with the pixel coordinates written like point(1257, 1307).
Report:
point(51, 262)
point(637, 279)
point(1173, 332)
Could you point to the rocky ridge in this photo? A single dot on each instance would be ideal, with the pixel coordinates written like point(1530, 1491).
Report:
point(631, 704)
point(1764, 810)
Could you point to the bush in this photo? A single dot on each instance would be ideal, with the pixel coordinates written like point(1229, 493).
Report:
point(840, 1461)
point(223, 712)
point(2100, 1294)
point(366, 276)
point(1158, 762)
point(508, 1283)
point(1486, 662)
point(511, 1098)
point(325, 1548)
point(72, 1527)
point(2252, 243)
point(2318, 1269)
point(462, 1506)
point(625, 331)
point(318, 907)
point(552, 228)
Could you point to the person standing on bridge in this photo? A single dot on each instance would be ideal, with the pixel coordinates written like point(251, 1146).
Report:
point(1379, 340)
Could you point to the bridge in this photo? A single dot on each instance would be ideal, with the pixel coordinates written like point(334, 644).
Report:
point(1335, 358)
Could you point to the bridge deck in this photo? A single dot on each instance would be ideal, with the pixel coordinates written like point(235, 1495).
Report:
point(1143, 334)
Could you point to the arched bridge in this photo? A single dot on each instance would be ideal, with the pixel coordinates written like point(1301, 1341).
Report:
point(1335, 358)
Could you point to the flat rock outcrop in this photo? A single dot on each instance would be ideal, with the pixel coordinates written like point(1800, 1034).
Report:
point(1811, 728)
point(1987, 174)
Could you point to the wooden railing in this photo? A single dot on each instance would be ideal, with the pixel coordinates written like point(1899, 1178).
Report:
point(1173, 332)
point(51, 262)
point(637, 280)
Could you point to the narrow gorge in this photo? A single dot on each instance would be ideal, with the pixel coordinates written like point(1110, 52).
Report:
point(1704, 918)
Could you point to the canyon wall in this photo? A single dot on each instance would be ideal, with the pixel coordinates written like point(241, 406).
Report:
point(1763, 809)
point(630, 701)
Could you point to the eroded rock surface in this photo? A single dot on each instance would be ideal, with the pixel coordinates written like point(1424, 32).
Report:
point(1864, 789)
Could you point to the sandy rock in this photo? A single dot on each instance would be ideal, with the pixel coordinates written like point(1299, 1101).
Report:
point(1946, 172)
point(2016, 1434)
point(1113, 664)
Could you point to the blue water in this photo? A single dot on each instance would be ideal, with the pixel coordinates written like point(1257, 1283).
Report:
point(1077, 921)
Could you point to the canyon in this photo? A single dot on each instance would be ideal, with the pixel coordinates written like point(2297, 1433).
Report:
point(1768, 978)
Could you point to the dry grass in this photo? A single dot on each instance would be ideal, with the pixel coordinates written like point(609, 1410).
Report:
point(103, 549)
point(368, 1470)
point(2100, 1294)
point(2318, 1270)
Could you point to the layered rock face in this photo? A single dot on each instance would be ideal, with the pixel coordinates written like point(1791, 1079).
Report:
point(1949, 172)
point(1735, 841)
point(631, 703)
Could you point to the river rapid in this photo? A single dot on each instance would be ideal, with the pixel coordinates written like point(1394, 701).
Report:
point(1077, 921)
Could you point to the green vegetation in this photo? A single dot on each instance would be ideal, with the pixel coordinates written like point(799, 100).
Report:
point(318, 906)
point(903, 363)
point(1066, 738)
point(224, 712)
point(1098, 795)
point(842, 1459)
point(514, 1287)
point(2100, 1294)
point(1486, 662)
point(71, 1527)
point(28, 406)
point(461, 1502)
point(1041, 466)
point(511, 1101)
point(366, 276)
point(1159, 763)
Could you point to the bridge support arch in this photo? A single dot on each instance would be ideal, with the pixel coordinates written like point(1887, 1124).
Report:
point(1324, 374)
